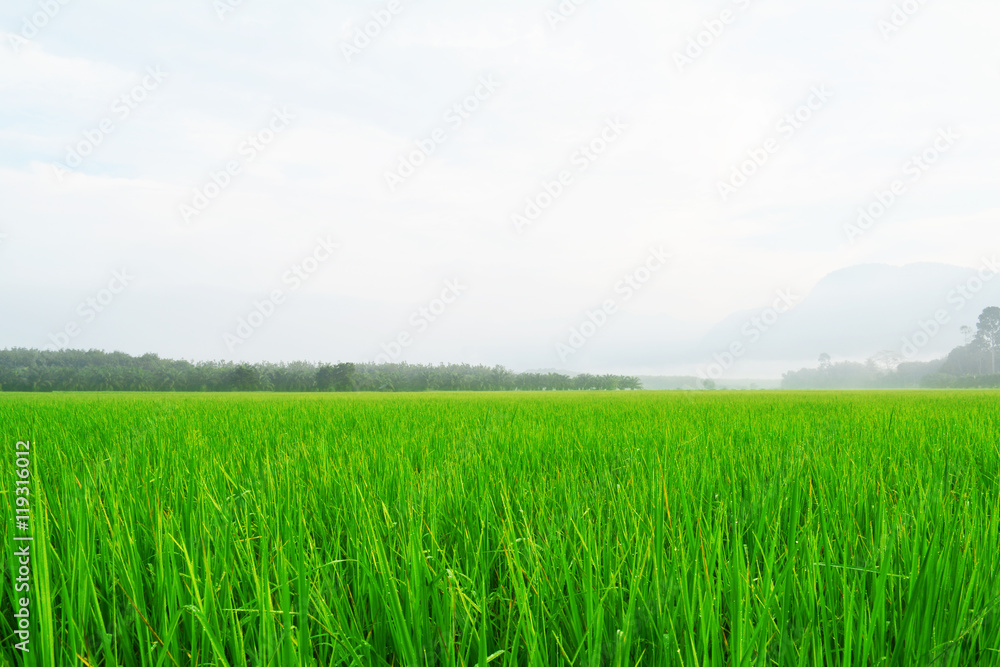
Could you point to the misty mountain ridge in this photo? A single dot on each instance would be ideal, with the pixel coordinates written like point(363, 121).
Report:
point(856, 312)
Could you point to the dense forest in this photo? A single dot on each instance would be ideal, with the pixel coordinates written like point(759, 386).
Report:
point(94, 370)
point(972, 365)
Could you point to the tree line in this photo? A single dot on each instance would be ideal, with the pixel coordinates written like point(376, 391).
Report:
point(94, 370)
point(976, 364)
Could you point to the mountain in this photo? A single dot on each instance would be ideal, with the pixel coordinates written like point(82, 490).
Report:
point(859, 311)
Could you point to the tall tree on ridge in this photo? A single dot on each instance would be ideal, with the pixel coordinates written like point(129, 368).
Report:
point(988, 333)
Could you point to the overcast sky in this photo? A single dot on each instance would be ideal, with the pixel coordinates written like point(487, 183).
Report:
point(169, 169)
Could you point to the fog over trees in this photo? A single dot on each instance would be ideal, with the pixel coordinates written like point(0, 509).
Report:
point(971, 365)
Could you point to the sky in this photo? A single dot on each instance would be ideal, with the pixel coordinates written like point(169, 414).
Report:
point(586, 186)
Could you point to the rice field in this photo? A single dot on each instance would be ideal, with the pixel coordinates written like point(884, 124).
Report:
point(629, 528)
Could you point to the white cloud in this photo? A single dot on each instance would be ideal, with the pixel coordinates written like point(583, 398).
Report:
point(658, 185)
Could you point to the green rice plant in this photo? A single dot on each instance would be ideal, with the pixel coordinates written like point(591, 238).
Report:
point(585, 529)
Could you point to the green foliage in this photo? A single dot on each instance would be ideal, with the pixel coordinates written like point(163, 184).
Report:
point(689, 528)
point(971, 359)
point(988, 333)
point(336, 378)
point(244, 378)
point(94, 370)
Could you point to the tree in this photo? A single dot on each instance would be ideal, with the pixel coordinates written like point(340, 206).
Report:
point(343, 377)
point(988, 333)
point(244, 378)
point(971, 359)
point(824, 361)
point(95, 370)
point(337, 378)
point(630, 383)
point(968, 335)
point(324, 377)
point(886, 361)
point(501, 379)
